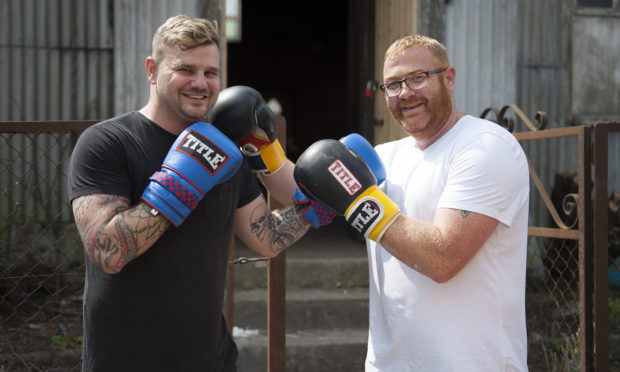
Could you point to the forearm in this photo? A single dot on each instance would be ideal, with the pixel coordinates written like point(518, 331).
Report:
point(441, 249)
point(271, 232)
point(281, 185)
point(113, 233)
point(419, 245)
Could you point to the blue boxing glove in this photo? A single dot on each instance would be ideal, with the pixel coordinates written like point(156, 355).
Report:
point(199, 159)
point(316, 213)
point(367, 152)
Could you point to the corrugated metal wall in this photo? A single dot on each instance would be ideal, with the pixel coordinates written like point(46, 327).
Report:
point(595, 55)
point(511, 52)
point(136, 22)
point(55, 59)
point(56, 63)
point(68, 60)
point(518, 52)
point(481, 45)
point(78, 59)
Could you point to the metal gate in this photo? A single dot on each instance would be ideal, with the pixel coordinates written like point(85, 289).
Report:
point(567, 301)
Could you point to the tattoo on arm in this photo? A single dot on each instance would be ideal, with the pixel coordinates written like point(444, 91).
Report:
point(464, 213)
point(281, 228)
point(113, 233)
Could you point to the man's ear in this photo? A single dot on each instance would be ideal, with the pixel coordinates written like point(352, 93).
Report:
point(450, 77)
point(151, 70)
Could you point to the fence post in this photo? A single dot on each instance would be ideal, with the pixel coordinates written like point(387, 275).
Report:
point(586, 346)
point(276, 292)
point(601, 243)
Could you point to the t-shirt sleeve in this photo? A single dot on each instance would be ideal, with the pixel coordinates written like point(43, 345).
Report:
point(97, 165)
point(490, 176)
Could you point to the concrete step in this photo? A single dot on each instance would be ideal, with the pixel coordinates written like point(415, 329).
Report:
point(327, 258)
point(324, 273)
point(342, 350)
point(326, 303)
point(305, 309)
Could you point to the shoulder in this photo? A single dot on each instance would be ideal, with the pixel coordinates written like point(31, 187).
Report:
point(473, 127)
point(480, 139)
point(107, 129)
point(104, 142)
point(116, 124)
point(490, 150)
point(128, 129)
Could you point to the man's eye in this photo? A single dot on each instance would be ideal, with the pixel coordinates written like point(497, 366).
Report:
point(416, 79)
point(393, 85)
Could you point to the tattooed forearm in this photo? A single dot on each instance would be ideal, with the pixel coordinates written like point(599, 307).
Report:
point(281, 228)
point(113, 233)
point(465, 213)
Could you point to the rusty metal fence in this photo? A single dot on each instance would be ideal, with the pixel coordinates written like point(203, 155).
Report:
point(41, 258)
point(567, 299)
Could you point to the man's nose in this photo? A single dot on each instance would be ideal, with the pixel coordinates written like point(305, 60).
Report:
point(199, 81)
point(405, 90)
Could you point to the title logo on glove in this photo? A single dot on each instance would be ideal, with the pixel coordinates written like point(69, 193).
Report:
point(204, 151)
point(345, 178)
point(365, 215)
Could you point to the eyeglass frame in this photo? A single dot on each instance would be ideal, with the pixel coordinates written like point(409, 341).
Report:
point(400, 82)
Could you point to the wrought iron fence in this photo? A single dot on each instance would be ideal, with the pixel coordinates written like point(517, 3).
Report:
point(567, 283)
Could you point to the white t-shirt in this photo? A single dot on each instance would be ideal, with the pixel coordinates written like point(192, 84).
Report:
point(476, 320)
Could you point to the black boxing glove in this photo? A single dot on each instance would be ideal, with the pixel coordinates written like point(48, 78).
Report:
point(241, 113)
point(336, 176)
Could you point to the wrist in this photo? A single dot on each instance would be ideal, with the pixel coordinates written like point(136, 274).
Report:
point(372, 213)
point(267, 159)
point(273, 156)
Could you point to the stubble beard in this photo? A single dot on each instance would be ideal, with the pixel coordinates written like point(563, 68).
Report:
point(184, 110)
point(436, 114)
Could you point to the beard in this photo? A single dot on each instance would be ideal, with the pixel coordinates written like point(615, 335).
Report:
point(184, 110)
point(436, 112)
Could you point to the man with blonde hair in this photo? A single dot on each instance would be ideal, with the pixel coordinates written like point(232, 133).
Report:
point(156, 195)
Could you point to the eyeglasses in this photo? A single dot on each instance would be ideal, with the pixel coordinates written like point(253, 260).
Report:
point(415, 81)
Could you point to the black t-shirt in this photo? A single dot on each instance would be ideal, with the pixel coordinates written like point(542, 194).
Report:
point(163, 311)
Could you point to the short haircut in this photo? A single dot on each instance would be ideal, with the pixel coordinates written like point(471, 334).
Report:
point(418, 41)
point(186, 32)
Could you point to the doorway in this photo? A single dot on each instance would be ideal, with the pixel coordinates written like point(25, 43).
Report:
point(308, 58)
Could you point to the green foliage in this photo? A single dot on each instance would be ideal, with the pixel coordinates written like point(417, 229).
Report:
point(67, 342)
point(614, 313)
point(564, 356)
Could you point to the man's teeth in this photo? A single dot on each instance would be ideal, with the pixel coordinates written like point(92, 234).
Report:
point(196, 96)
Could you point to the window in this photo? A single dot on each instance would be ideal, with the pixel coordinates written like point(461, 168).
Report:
point(233, 20)
point(595, 3)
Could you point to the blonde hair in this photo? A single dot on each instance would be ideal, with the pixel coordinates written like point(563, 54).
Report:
point(186, 32)
point(418, 41)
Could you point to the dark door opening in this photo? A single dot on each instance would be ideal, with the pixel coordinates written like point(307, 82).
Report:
point(304, 55)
